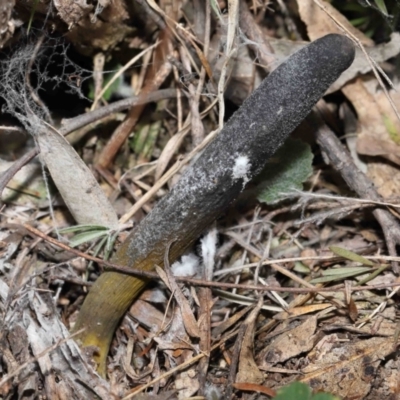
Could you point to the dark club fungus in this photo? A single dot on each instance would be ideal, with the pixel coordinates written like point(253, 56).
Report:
point(209, 185)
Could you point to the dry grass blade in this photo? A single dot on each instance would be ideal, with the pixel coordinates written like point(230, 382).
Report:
point(230, 51)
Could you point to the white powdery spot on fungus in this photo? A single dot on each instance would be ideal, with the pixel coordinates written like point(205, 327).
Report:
point(241, 169)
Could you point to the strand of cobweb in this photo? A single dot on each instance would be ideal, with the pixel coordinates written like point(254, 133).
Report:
point(21, 95)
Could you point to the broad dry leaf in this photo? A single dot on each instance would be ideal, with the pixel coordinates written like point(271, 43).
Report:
point(79, 189)
point(319, 23)
point(352, 363)
point(290, 343)
point(378, 133)
point(386, 178)
point(248, 371)
point(147, 315)
point(379, 129)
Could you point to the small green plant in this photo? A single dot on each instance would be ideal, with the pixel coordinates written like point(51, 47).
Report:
point(286, 172)
point(375, 18)
point(300, 391)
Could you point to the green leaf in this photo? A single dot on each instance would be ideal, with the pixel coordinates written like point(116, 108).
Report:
point(300, 391)
point(346, 270)
point(382, 7)
point(111, 90)
point(350, 255)
point(337, 274)
point(85, 233)
point(145, 139)
point(215, 7)
point(391, 128)
point(302, 268)
point(88, 236)
point(294, 391)
point(286, 172)
point(84, 228)
point(359, 21)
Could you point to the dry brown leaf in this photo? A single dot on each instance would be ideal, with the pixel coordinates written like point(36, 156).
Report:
point(320, 24)
point(224, 325)
point(148, 315)
point(295, 312)
point(71, 12)
point(386, 178)
point(248, 371)
point(175, 341)
point(46, 336)
point(187, 314)
point(376, 117)
point(102, 26)
point(290, 344)
point(170, 395)
point(79, 189)
point(168, 152)
point(379, 133)
point(352, 363)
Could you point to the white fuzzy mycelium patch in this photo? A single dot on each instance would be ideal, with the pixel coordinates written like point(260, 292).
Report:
point(241, 169)
point(187, 266)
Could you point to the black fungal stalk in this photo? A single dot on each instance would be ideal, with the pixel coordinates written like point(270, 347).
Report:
point(238, 153)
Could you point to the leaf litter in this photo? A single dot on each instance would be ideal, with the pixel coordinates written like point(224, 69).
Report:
point(342, 341)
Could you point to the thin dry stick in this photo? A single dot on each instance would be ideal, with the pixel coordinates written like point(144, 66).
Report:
point(341, 160)
point(179, 367)
point(206, 47)
point(259, 43)
point(179, 113)
point(72, 124)
point(277, 267)
point(199, 282)
point(244, 255)
point(195, 120)
point(125, 128)
point(347, 199)
point(164, 376)
point(99, 60)
point(120, 72)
